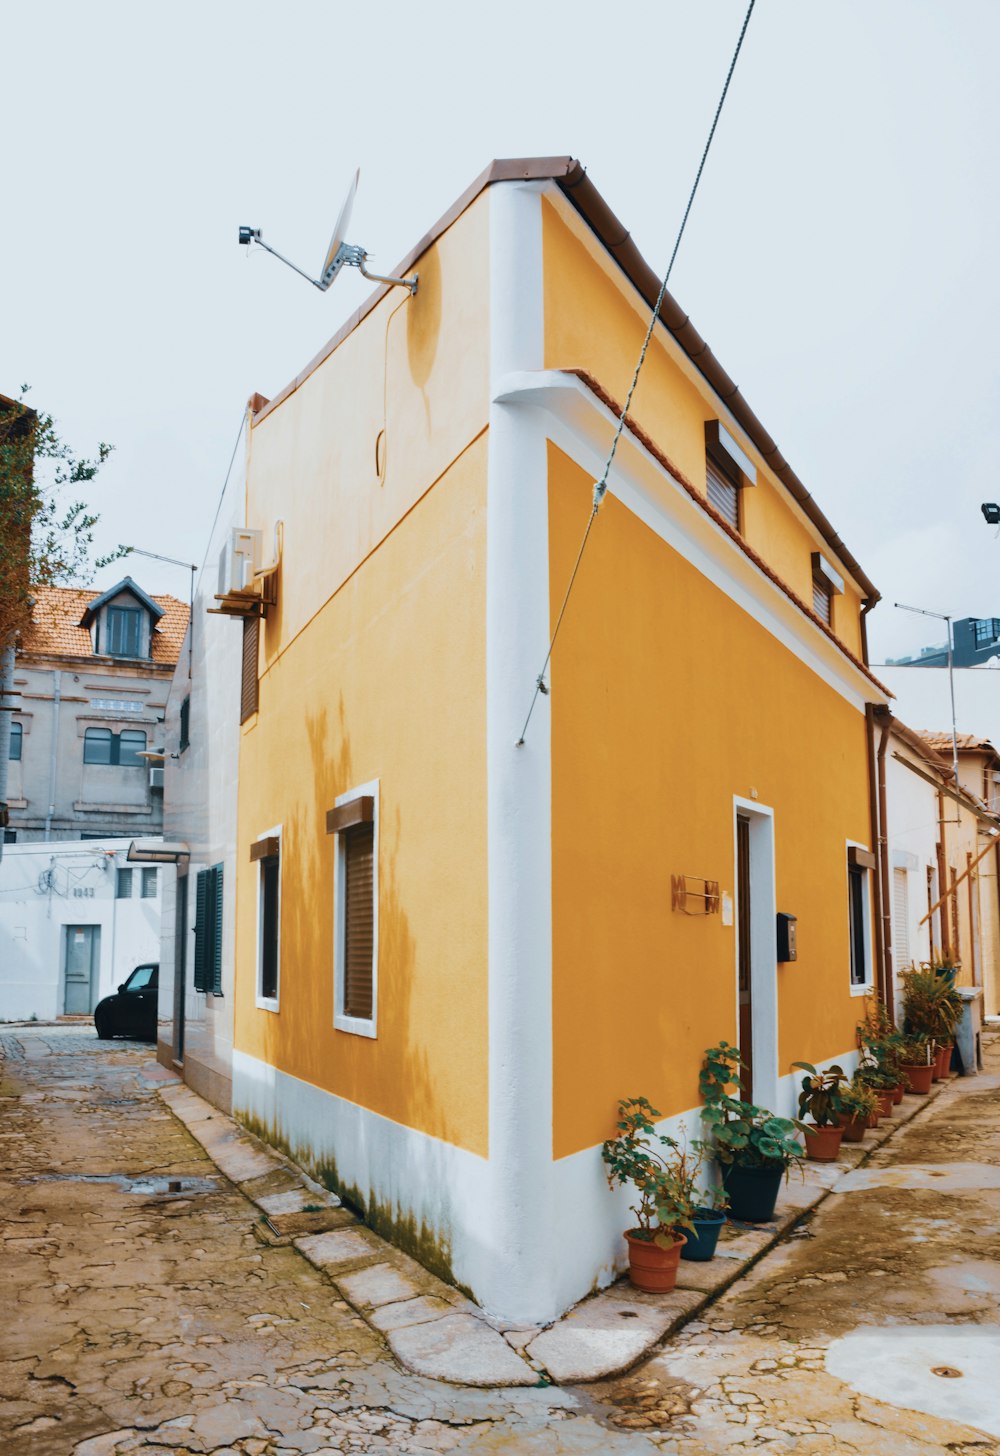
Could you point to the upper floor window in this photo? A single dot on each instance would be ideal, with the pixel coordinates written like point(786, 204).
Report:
point(860, 863)
point(354, 820)
point(727, 470)
point(16, 736)
point(100, 745)
point(826, 584)
point(987, 630)
point(124, 631)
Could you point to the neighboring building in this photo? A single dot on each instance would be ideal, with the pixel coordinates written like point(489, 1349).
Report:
point(75, 919)
point(91, 679)
point(201, 737)
point(455, 953)
point(975, 642)
point(925, 696)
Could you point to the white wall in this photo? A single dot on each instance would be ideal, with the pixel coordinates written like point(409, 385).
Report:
point(46, 887)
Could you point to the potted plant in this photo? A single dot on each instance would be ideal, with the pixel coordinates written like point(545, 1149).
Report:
point(820, 1097)
point(879, 1041)
point(858, 1105)
point(916, 1063)
point(932, 1008)
point(707, 1221)
point(663, 1174)
point(754, 1147)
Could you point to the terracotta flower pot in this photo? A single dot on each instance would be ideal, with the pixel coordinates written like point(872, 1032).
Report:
point(919, 1077)
point(872, 1119)
point(944, 1062)
point(650, 1267)
point(853, 1127)
point(897, 1094)
point(823, 1143)
point(885, 1104)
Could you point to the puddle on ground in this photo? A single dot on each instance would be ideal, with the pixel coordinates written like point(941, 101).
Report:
point(144, 1185)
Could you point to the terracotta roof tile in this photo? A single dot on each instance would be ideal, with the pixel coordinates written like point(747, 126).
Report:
point(55, 629)
point(941, 742)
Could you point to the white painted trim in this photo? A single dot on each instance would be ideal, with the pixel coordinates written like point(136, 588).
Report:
point(522, 1224)
point(268, 1003)
point(863, 988)
point(569, 414)
point(763, 947)
point(688, 368)
point(356, 1025)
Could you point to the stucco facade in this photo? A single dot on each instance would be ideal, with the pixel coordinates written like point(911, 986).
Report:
point(538, 953)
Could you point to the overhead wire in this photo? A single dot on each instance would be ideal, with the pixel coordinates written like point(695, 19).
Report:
point(601, 486)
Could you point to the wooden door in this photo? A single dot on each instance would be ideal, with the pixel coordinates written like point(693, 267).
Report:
point(743, 954)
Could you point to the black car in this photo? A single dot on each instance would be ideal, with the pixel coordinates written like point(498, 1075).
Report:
point(132, 1012)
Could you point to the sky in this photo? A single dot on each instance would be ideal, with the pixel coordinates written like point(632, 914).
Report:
point(840, 258)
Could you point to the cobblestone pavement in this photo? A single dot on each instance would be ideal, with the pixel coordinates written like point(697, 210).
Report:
point(139, 1320)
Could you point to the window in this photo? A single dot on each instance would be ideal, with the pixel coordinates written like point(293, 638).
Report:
point(987, 630)
point(354, 820)
point(100, 745)
point(267, 854)
point(727, 469)
point(149, 884)
point(185, 724)
point(826, 583)
point(10, 836)
point(16, 736)
point(124, 626)
point(859, 863)
point(208, 932)
point(123, 885)
point(248, 685)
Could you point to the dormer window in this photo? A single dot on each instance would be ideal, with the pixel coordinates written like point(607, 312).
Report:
point(124, 631)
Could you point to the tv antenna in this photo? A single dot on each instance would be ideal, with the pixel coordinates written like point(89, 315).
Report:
point(338, 253)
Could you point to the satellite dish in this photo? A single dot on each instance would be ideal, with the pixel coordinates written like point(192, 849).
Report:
point(334, 260)
point(337, 254)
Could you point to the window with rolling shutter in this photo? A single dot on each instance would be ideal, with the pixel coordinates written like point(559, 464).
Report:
point(821, 601)
point(208, 931)
point(723, 494)
point(248, 685)
point(355, 823)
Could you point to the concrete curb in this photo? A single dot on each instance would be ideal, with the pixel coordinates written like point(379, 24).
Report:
point(431, 1328)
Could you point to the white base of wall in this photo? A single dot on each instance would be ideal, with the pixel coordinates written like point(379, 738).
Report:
point(435, 1194)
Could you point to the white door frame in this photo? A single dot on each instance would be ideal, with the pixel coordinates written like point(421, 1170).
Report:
point(763, 948)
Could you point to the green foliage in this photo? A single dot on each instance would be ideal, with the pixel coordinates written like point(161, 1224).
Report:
point(858, 1099)
point(914, 1051)
point(664, 1181)
point(44, 539)
point(741, 1133)
point(820, 1095)
point(879, 1078)
point(931, 1005)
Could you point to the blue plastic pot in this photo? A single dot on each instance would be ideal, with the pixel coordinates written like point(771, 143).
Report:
point(752, 1192)
point(702, 1239)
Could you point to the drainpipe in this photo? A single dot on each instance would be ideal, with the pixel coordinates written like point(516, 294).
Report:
point(866, 607)
point(6, 718)
point(943, 885)
point(876, 840)
point(54, 754)
point(889, 983)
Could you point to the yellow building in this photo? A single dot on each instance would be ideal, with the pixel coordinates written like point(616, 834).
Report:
point(455, 954)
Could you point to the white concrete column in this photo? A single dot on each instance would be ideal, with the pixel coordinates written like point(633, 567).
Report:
point(517, 1276)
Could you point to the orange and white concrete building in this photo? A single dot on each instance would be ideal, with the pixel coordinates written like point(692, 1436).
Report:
point(455, 953)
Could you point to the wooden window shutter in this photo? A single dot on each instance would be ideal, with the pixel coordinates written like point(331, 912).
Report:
point(359, 920)
point(200, 931)
point(723, 495)
point(217, 931)
point(248, 687)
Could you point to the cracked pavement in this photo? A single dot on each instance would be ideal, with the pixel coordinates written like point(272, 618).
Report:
point(143, 1319)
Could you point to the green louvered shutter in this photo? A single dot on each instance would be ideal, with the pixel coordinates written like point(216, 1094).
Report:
point(200, 929)
point(217, 932)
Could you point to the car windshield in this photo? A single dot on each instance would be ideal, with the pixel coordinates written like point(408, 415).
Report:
point(141, 978)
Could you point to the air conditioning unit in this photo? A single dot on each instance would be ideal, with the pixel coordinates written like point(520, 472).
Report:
point(239, 559)
point(156, 778)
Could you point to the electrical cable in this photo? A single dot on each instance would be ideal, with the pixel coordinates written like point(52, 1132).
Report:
point(222, 496)
point(601, 486)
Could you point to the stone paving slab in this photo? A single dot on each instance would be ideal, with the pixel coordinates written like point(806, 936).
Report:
point(609, 1332)
point(461, 1349)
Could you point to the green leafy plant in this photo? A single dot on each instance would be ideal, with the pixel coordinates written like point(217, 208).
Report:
point(742, 1133)
point(858, 1100)
point(915, 1051)
point(820, 1095)
point(931, 1005)
point(663, 1172)
point(879, 1078)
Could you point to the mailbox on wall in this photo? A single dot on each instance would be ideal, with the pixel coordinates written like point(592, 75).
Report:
point(786, 937)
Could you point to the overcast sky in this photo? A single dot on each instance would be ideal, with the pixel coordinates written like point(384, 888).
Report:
point(841, 258)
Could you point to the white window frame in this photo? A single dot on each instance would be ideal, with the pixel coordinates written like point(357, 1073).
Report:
point(355, 1025)
point(863, 988)
point(262, 1002)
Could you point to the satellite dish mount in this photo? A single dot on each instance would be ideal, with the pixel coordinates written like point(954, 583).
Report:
point(338, 253)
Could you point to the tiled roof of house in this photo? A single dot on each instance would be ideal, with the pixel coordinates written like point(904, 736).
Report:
point(941, 742)
point(55, 629)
